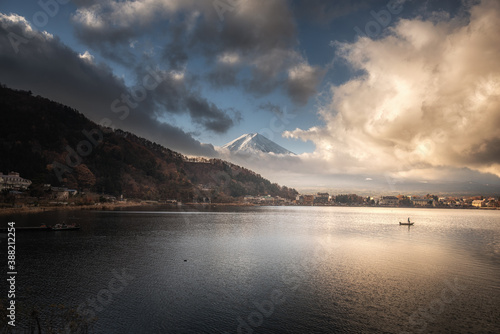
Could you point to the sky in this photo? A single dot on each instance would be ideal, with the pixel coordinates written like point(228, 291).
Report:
point(392, 95)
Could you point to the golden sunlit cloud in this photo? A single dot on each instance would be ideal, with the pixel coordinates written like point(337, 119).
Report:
point(429, 98)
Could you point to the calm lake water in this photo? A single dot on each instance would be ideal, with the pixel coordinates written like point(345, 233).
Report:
point(267, 270)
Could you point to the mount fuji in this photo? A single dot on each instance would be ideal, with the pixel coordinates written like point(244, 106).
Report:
point(254, 142)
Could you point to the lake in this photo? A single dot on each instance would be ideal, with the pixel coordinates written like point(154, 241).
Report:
point(264, 270)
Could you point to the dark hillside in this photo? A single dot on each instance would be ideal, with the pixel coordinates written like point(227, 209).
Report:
point(40, 139)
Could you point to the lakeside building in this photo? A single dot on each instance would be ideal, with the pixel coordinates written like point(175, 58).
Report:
point(308, 200)
point(423, 202)
point(62, 194)
point(266, 200)
point(13, 181)
point(479, 203)
point(322, 198)
point(492, 203)
point(389, 201)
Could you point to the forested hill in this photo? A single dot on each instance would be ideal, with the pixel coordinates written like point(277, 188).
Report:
point(36, 136)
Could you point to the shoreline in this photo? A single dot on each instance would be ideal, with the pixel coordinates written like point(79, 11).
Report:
point(108, 207)
point(123, 206)
point(39, 209)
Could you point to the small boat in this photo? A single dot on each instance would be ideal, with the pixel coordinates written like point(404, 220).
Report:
point(64, 227)
point(408, 223)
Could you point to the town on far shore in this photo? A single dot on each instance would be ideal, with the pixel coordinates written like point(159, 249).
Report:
point(16, 191)
point(425, 201)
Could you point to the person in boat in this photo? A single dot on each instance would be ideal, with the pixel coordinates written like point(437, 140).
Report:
point(408, 219)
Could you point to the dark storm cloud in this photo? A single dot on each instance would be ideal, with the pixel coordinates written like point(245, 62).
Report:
point(263, 34)
point(96, 38)
point(208, 114)
point(175, 37)
point(260, 27)
point(302, 82)
point(173, 94)
point(175, 55)
point(49, 68)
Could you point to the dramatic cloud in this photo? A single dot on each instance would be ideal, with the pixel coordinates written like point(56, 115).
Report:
point(429, 97)
point(38, 62)
point(208, 114)
point(244, 43)
point(302, 82)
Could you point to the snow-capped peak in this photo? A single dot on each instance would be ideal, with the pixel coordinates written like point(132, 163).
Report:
point(254, 142)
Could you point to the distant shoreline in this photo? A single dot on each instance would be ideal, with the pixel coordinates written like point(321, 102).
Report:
point(130, 205)
point(38, 209)
point(108, 207)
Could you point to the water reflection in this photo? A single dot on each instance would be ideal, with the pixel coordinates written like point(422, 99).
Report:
point(318, 269)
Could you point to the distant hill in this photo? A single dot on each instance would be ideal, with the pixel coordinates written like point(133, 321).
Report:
point(254, 142)
point(36, 136)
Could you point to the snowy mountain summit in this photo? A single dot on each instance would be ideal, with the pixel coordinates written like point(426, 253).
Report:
point(254, 142)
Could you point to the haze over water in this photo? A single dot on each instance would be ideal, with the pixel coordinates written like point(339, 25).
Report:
point(270, 269)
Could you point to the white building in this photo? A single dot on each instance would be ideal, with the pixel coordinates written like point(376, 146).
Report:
point(13, 181)
point(479, 203)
